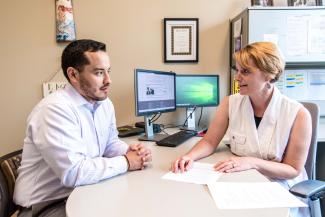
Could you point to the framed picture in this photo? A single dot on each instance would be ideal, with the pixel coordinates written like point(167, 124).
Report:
point(262, 2)
point(181, 37)
point(297, 3)
point(65, 26)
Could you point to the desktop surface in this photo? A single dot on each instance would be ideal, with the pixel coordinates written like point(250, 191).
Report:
point(143, 193)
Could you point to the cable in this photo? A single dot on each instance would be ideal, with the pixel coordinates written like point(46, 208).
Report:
point(163, 130)
point(153, 120)
point(54, 74)
point(198, 124)
point(172, 126)
point(189, 116)
point(152, 117)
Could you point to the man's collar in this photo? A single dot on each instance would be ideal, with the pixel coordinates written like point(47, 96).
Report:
point(79, 100)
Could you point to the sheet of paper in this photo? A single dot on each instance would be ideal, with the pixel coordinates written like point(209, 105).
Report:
point(297, 36)
point(252, 195)
point(237, 28)
point(316, 40)
point(201, 173)
point(271, 38)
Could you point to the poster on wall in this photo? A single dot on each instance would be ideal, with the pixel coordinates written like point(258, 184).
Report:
point(65, 26)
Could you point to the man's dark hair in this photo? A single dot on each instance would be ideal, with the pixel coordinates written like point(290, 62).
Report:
point(74, 54)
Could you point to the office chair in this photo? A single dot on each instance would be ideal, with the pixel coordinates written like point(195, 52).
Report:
point(8, 174)
point(312, 189)
point(320, 172)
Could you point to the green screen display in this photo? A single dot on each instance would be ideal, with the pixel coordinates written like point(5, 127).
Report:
point(197, 90)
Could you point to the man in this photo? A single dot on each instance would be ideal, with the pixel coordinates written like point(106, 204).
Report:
point(71, 136)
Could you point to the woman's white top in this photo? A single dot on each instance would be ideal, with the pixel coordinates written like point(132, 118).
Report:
point(270, 139)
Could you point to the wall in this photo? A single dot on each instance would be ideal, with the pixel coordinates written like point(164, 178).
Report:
point(133, 31)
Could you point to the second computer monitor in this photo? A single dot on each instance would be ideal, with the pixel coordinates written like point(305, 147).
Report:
point(197, 90)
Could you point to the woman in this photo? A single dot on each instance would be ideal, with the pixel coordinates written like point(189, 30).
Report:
point(268, 131)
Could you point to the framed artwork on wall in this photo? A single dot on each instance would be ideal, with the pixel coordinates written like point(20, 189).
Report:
point(181, 39)
point(297, 3)
point(65, 26)
point(262, 2)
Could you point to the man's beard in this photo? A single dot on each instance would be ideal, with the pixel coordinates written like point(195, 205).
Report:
point(89, 92)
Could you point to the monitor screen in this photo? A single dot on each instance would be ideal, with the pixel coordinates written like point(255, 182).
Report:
point(197, 90)
point(154, 92)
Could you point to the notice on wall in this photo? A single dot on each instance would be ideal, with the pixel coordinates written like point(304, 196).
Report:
point(274, 38)
point(296, 84)
point(303, 85)
point(316, 39)
point(316, 85)
point(297, 27)
point(237, 28)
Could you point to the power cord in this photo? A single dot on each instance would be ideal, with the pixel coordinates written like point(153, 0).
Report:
point(198, 124)
point(185, 122)
point(153, 120)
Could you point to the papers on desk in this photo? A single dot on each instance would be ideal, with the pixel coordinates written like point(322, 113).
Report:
point(201, 173)
point(231, 195)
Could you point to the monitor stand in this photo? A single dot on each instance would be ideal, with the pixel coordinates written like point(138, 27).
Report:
point(191, 126)
point(149, 135)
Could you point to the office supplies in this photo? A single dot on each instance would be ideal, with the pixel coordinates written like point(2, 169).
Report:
point(127, 130)
point(154, 93)
point(200, 173)
point(176, 138)
point(252, 195)
point(194, 91)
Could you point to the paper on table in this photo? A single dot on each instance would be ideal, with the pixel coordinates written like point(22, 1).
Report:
point(201, 173)
point(231, 195)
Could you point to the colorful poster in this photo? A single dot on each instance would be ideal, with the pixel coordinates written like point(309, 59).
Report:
point(65, 27)
point(296, 84)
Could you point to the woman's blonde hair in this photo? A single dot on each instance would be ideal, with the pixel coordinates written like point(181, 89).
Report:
point(266, 57)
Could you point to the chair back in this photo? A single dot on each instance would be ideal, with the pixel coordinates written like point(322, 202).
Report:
point(311, 158)
point(320, 169)
point(8, 174)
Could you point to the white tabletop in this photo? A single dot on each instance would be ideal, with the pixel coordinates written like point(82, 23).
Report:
point(144, 193)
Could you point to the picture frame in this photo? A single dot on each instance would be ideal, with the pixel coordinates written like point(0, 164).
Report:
point(297, 3)
point(181, 40)
point(65, 25)
point(263, 3)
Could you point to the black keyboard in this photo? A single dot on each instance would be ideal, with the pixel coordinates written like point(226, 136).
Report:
point(176, 138)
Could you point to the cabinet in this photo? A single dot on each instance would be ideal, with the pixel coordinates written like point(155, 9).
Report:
point(299, 33)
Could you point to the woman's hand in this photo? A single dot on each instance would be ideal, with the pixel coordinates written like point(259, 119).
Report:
point(235, 164)
point(182, 164)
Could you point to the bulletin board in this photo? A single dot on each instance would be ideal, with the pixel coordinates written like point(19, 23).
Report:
point(299, 32)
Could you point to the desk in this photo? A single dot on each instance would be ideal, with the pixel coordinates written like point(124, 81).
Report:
point(143, 193)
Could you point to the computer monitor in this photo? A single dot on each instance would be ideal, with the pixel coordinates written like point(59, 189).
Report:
point(154, 93)
point(193, 91)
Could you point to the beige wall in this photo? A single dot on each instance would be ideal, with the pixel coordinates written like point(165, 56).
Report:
point(133, 31)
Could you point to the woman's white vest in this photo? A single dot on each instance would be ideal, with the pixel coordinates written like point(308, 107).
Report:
point(269, 141)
